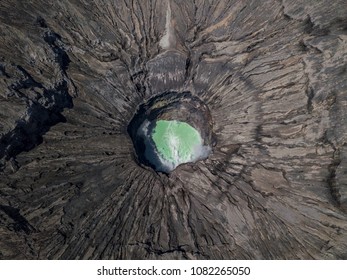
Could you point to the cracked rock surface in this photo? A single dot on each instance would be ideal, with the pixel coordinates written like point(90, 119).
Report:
point(274, 77)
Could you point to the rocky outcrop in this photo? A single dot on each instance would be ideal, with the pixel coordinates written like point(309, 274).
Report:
point(273, 76)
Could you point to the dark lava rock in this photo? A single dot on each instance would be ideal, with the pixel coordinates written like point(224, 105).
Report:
point(273, 76)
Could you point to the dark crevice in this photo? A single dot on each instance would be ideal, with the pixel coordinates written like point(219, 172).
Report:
point(40, 116)
point(302, 46)
point(44, 110)
point(41, 22)
point(331, 180)
point(308, 25)
point(310, 95)
point(258, 133)
point(159, 252)
point(3, 72)
point(28, 82)
point(19, 222)
point(61, 57)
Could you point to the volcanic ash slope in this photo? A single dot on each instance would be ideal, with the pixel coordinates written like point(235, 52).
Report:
point(273, 75)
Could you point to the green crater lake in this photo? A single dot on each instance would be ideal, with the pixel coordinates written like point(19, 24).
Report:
point(176, 142)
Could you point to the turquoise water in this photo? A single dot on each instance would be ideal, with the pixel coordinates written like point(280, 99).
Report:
point(169, 143)
point(176, 142)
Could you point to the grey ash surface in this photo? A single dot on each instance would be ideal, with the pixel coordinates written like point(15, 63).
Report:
point(274, 77)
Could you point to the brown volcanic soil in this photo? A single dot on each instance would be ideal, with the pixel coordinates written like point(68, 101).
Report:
point(273, 75)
